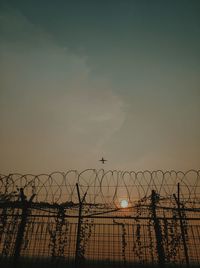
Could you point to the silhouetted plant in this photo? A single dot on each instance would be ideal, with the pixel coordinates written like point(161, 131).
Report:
point(10, 226)
point(123, 239)
point(3, 221)
point(185, 221)
point(174, 236)
point(137, 237)
point(151, 244)
point(85, 234)
point(166, 238)
point(124, 243)
point(10, 230)
point(57, 239)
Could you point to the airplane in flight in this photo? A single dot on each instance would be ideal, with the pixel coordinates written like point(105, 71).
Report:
point(103, 160)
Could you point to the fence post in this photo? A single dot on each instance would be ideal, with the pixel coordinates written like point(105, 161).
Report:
point(158, 231)
point(22, 226)
point(78, 238)
point(177, 199)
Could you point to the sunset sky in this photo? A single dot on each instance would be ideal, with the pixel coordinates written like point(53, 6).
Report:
point(84, 79)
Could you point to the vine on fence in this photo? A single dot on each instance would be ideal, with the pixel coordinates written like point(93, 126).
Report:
point(151, 244)
point(137, 248)
point(85, 233)
point(58, 241)
point(123, 239)
point(11, 228)
point(175, 237)
point(124, 243)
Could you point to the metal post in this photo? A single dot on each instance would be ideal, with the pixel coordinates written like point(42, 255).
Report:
point(21, 229)
point(158, 231)
point(177, 199)
point(22, 226)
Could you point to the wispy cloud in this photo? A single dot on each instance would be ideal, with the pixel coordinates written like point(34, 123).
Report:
point(54, 114)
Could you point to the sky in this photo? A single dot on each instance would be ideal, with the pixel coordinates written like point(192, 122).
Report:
point(84, 79)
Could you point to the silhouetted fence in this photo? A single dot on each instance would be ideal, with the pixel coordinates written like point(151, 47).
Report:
point(76, 218)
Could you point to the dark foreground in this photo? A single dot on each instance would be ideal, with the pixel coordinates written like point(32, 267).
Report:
point(44, 263)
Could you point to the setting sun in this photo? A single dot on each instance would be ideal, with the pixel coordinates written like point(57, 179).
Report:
point(124, 203)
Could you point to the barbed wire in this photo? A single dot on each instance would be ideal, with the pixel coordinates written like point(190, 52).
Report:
point(102, 187)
